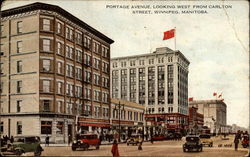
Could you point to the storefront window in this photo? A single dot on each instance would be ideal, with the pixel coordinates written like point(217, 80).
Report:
point(59, 128)
point(1, 127)
point(46, 127)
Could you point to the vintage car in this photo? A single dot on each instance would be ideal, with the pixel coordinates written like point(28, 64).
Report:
point(25, 144)
point(245, 141)
point(84, 141)
point(192, 143)
point(134, 139)
point(206, 140)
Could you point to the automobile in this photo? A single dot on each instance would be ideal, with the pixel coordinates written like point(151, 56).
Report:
point(25, 144)
point(84, 141)
point(245, 141)
point(206, 140)
point(134, 139)
point(193, 142)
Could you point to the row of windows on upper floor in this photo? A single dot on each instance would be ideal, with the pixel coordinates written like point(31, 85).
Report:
point(71, 34)
point(127, 115)
point(71, 71)
point(88, 43)
point(151, 70)
point(142, 62)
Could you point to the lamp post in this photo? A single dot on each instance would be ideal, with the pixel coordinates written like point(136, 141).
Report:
point(146, 112)
point(119, 118)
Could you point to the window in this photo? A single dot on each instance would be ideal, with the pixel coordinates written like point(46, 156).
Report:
point(59, 106)
point(18, 105)
point(19, 45)
point(69, 52)
point(19, 26)
point(1, 68)
point(19, 86)
point(69, 33)
point(87, 42)
point(59, 67)
point(19, 66)
point(46, 85)
point(59, 48)
point(46, 127)
point(46, 45)
point(46, 24)
point(46, 65)
point(1, 127)
point(1, 86)
point(46, 105)
point(59, 88)
point(19, 127)
point(78, 38)
point(1, 30)
point(59, 128)
point(59, 28)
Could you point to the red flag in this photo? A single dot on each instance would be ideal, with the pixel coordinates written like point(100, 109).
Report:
point(220, 95)
point(190, 99)
point(214, 94)
point(169, 34)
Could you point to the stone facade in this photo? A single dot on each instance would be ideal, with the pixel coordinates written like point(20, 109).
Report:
point(215, 113)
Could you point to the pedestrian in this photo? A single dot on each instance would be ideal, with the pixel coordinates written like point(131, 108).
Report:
point(11, 139)
point(114, 150)
point(140, 146)
point(69, 139)
point(47, 140)
point(237, 140)
point(152, 140)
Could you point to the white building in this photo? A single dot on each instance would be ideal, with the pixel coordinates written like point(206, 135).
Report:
point(215, 114)
point(157, 80)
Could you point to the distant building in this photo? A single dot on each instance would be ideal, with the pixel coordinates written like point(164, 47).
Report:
point(196, 120)
point(131, 117)
point(158, 81)
point(215, 114)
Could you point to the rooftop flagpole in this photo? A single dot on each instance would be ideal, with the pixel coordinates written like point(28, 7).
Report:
point(175, 38)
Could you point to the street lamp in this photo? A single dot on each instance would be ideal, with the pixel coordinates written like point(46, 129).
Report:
point(144, 114)
point(119, 118)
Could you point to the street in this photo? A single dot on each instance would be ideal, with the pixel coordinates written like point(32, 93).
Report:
point(158, 148)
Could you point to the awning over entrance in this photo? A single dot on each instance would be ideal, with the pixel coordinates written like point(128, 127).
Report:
point(94, 124)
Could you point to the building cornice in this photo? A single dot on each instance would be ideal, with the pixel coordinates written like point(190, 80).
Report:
point(194, 102)
point(166, 51)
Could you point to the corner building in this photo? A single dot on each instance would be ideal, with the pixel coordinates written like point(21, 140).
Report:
point(54, 70)
point(158, 81)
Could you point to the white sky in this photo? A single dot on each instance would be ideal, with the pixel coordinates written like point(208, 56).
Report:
point(216, 43)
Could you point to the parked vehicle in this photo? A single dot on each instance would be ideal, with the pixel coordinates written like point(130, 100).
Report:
point(84, 141)
point(206, 140)
point(193, 142)
point(25, 144)
point(245, 141)
point(134, 139)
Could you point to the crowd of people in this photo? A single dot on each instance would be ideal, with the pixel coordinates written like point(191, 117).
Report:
point(238, 137)
point(6, 140)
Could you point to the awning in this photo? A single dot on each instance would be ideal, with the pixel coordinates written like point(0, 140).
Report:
point(94, 124)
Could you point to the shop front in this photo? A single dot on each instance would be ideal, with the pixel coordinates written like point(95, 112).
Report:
point(101, 127)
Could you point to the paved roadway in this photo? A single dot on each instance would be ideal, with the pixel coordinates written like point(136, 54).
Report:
point(159, 148)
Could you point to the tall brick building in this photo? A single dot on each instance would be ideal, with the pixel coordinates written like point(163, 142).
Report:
point(54, 70)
